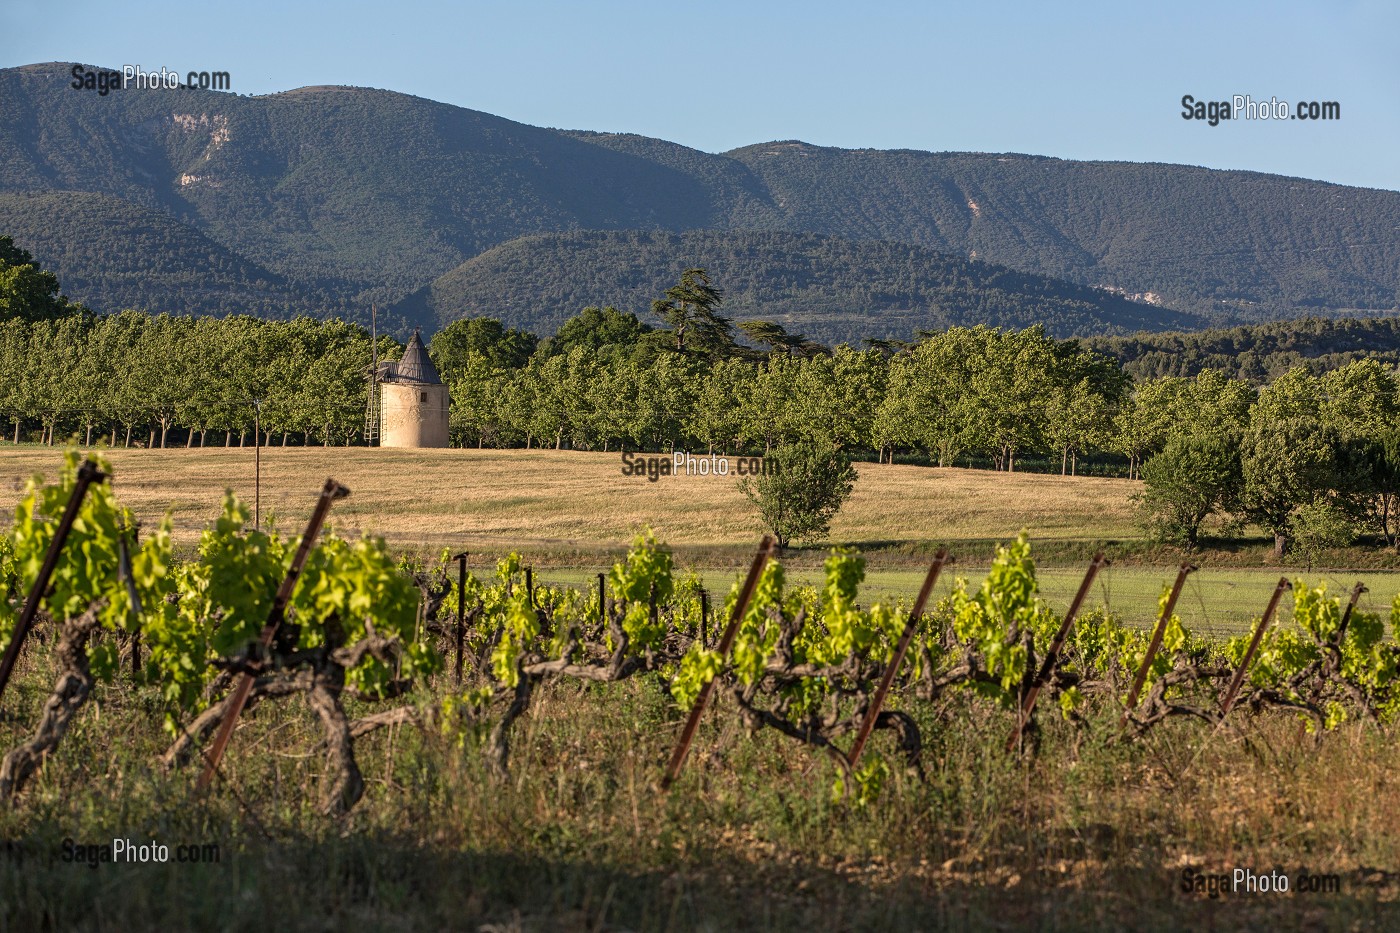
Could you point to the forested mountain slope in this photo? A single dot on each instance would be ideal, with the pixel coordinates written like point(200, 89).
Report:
point(354, 195)
point(831, 289)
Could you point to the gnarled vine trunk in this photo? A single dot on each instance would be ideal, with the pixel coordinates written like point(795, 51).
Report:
point(70, 692)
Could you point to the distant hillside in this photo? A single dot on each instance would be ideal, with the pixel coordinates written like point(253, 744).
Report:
point(112, 255)
point(1237, 244)
point(1261, 352)
point(830, 289)
point(367, 196)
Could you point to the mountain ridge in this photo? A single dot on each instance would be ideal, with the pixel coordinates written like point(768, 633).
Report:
point(356, 196)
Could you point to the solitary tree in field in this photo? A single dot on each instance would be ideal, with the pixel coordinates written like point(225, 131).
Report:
point(802, 488)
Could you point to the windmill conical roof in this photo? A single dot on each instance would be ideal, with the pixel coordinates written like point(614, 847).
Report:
point(416, 366)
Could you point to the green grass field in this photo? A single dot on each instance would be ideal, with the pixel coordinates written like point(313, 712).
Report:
point(1220, 601)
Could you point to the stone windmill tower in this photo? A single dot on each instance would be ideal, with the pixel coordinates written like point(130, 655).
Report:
point(413, 400)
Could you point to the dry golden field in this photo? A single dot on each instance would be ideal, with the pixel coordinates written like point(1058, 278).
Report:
point(572, 513)
point(558, 501)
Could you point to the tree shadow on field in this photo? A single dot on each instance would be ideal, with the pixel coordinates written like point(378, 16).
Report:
point(372, 881)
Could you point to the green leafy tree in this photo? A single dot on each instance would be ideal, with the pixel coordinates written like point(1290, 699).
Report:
point(455, 345)
point(1144, 422)
point(606, 332)
point(802, 488)
point(1287, 463)
point(1319, 525)
point(1196, 475)
point(28, 292)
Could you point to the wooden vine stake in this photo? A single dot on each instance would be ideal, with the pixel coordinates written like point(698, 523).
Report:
point(673, 770)
point(1047, 667)
point(1155, 643)
point(1233, 692)
point(873, 712)
point(461, 560)
point(88, 473)
point(1356, 592)
point(329, 493)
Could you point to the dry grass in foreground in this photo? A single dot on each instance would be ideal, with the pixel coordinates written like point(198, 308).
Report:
point(1093, 834)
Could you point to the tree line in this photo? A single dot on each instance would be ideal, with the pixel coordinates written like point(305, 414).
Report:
point(1308, 457)
point(134, 378)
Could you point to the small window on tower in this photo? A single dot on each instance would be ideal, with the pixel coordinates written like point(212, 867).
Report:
point(423, 397)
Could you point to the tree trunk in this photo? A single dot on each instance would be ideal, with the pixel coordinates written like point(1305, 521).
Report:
point(16, 432)
point(164, 427)
point(114, 436)
point(88, 442)
point(1280, 545)
point(1064, 462)
point(1390, 539)
point(127, 443)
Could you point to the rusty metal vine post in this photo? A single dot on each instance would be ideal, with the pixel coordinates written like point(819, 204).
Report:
point(673, 770)
point(88, 473)
point(1156, 642)
point(461, 560)
point(602, 599)
point(329, 493)
point(872, 713)
point(704, 618)
point(1230, 695)
point(1047, 667)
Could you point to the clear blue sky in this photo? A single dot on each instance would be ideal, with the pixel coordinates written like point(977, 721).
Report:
point(1083, 80)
